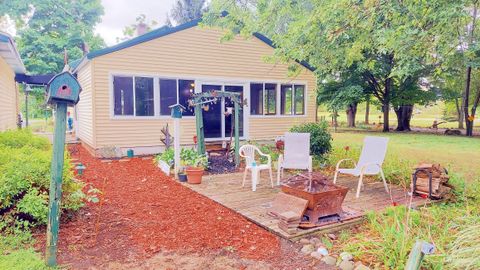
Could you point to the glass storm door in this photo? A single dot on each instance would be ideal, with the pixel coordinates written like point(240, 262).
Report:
point(212, 114)
point(229, 118)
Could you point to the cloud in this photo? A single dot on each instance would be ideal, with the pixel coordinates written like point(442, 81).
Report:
point(120, 13)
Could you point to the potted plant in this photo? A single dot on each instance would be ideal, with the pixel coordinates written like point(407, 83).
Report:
point(195, 164)
point(182, 176)
point(165, 160)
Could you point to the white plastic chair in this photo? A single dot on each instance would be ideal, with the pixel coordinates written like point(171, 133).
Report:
point(370, 162)
point(248, 152)
point(296, 154)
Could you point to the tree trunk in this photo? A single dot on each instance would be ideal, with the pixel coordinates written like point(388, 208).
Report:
point(404, 115)
point(459, 114)
point(335, 120)
point(466, 95)
point(351, 113)
point(386, 105)
point(367, 111)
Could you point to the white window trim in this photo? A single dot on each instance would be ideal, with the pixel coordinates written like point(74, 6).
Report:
point(198, 79)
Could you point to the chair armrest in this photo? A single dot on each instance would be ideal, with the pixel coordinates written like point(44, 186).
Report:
point(342, 160)
point(265, 155)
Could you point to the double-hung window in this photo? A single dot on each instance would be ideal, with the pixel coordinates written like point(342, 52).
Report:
point(133, 96)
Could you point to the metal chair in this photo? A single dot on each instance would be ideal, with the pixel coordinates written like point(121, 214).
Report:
point(369, 163)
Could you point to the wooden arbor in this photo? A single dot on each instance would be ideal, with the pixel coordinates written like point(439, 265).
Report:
point(212, 97)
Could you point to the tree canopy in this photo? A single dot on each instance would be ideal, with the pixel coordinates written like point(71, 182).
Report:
point(389, 42)
point(46, 28)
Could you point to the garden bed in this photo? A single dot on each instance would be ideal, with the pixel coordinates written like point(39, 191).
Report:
point(142, 212)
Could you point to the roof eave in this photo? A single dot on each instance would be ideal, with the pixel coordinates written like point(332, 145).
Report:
point(13, 58)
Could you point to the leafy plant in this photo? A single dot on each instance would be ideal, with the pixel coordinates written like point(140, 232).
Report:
point(25, 180)
point(167, 156)
point(190, 157)
point(320, 137)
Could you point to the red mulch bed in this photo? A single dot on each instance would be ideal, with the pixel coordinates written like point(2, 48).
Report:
point(142, 212)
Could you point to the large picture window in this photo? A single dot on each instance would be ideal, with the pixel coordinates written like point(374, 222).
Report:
point(299, 105)
point(286, 104)
point(186, 90)
point(123, 95)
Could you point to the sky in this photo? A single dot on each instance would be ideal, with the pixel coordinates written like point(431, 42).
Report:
point(120, 13)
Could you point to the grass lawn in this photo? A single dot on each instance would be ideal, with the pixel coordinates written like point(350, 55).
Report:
point(459, 155)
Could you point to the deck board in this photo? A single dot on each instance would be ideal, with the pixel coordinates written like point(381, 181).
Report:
point(228, 191)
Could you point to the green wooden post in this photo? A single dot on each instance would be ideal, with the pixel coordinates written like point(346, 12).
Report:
point(199, 125)
point(237, 134)
point(56, 183)
point(419, 250)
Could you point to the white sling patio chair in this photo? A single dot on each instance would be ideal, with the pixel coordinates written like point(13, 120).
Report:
point(369, 163)
point(248, 152)
point(296, 154)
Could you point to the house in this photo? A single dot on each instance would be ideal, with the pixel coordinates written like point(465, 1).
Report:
point(10, 65)
point(127, 89)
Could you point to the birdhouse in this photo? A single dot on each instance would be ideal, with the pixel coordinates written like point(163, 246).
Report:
point(63, 87)
point(177, 110)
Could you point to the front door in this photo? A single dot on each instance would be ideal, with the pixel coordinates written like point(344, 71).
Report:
point(217, 124)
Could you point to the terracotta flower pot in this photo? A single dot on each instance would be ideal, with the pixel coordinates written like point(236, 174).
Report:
point(194, 175)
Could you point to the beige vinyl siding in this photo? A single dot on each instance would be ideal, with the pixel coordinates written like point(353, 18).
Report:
point(8, 97)
point(84, 108)
point(195, 53)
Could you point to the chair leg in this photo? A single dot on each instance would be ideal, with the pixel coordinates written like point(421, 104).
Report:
point(271, 175)
point(335, 177)
point(279, 169)
point(359, 187)
point(244, 177)
point(384, 180)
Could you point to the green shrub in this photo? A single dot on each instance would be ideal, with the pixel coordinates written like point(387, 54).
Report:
point(320, 137)
point(25, 180)
point(23, 137)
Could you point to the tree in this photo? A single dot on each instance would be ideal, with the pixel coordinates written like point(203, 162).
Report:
point(46, 28)
point(343, 92)
point(388, 41)
point(132, 30)
point(186, 10)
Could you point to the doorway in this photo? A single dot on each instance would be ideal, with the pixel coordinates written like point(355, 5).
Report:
point(217, 123)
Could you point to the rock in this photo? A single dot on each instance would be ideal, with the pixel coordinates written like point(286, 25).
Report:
point(319, 245)
point(307, 249)
point(361, 266)
point(315, 241)
point(316, 255)
point(329, 260)
point(332, 236)
point(346, 265)
point(304, 241)
point(323, 251)
point(346, 256)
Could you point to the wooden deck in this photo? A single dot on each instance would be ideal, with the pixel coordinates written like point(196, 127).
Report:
point(227, 190)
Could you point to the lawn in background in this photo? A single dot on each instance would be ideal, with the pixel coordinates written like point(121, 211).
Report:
point(459, 155)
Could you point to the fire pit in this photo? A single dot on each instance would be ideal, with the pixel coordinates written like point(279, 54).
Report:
point(324, 198)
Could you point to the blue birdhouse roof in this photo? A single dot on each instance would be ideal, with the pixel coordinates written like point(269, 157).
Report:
point(177, 105)
point(63, 87)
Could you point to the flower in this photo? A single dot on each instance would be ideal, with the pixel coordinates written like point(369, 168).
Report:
point(347, 148)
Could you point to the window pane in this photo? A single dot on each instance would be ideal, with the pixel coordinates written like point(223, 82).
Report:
point(286, 99)
point(256, 98)
point(168, 95)
point(230, 119)
point(123, 95)
point(186, 88)
point(270, 98)
point(299, 99)
point(144, 96)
